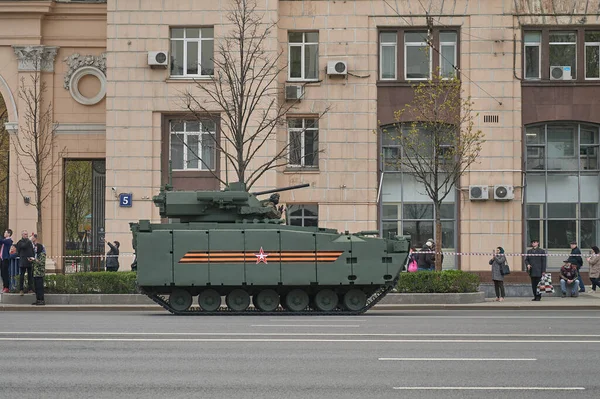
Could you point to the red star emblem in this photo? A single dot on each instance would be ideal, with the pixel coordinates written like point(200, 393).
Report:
point(261, 256)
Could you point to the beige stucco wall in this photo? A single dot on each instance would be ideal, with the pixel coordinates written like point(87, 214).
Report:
point(74, 28)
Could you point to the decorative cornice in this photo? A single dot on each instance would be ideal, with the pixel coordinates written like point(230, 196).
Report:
point(36, 58)
point(80, 128)
point(76, 61)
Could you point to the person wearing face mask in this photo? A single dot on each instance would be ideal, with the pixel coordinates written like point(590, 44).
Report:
point(39, 269)
point(497, 263)
point(536, 266)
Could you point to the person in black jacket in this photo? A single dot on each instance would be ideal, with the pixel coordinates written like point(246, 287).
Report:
point(26, 254)
point(112, 256)
point(577, 260)
point(535, 261)
point(426, 261)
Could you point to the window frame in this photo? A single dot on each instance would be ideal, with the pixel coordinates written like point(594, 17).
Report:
point(539, 46)
point(388, 44)
point(565, 44)
point(580, 54)
point(418, 45)
point(587, 44)
point(201, 165)
point(455, 48)
point(302, 46)
point(304, 217)
point(434, 62)
point(185, 41)
point(302, 130)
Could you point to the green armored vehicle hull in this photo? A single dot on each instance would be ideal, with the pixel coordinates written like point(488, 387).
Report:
point(229, 245)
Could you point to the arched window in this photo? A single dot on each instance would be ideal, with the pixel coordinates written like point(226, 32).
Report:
point(562, 185)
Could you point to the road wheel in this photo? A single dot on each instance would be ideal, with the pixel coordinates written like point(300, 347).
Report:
point(267, 300)
point(296, 300)
point(209, 300)
point(238, 300)
point(326, 300)
point(180, 299)
point(355, 300)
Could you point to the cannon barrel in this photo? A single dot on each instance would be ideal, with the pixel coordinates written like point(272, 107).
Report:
point(276, 190)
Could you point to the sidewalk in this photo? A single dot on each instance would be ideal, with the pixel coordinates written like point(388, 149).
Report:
point(585, 301)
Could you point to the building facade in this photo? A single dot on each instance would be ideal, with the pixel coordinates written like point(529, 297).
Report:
point(531, 69)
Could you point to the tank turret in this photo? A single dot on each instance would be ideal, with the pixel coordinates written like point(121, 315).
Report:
point(234, 204)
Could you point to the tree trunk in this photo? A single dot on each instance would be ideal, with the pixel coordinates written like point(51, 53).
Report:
point(38, 225)
point(438, 238)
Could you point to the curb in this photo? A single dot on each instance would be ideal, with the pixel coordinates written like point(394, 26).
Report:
point(156, 308)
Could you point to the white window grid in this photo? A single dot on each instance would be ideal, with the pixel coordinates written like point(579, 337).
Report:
point(305, 216)
point(454, 60)
point(590, 44)
point(565, 44)
point(417, 44)
point(185, 41)
point(395, 46)
point(539, 47)
point(302, 58)
point(186, 134)
point(302, 130)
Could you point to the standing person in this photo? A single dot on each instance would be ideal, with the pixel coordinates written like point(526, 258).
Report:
point(5, 244)
point(425, 260)
point(497, 262)
point(112, 256)
point(536, 266)
point(594, 262)
point(577, 260)
point(25, 252)
point(39, 270)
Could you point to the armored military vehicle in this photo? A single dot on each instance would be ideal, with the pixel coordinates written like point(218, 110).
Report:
point(231, 244)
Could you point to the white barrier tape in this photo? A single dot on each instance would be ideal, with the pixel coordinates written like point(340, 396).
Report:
point(418, 252)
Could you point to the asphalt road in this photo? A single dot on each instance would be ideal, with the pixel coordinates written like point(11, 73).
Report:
point(416, 354)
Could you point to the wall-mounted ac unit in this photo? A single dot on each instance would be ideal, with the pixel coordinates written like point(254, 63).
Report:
point(478, 193)
point(158, 58)
point(337, 68)
point(503, 192)
point(560, 73)
point(294, 92)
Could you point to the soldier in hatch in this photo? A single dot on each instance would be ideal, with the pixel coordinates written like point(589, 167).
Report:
point(272, 202)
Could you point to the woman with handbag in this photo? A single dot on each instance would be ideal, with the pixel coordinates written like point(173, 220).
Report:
point(498, 263)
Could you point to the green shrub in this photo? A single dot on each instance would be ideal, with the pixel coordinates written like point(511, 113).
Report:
point(91, 283)
point(446, 281)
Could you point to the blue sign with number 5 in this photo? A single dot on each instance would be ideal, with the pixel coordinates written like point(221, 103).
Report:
point(125, 199)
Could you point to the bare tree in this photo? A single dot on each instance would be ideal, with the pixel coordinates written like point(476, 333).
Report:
point(244, 89)
point(439, 143)
point(78, 203)
point(35, 146)
point(4, 157)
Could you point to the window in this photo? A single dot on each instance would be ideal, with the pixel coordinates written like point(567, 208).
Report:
point(448, 54)
point(303, 55)
point(192, 52)
point(389, 54)
point(592, 55)
point(302, 215)
point(563, 50)
point(561, 191)
point(192, 145)
point(413, 55)
point(303, 142)
point(562, 147)
point(417, 56)
point(533, 51)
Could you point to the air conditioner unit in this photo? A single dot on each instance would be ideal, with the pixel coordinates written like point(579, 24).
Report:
point(478, 193)
point(504, 192)
point(158, 58)
point(560, 73)
point(294, 92)
point(337, 68)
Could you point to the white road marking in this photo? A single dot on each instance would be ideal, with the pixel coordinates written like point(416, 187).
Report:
point(324, 334)
point(471, 341)
point(554, 317)
point(447, 359)
point(491, 388)
point(307, 325)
